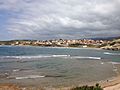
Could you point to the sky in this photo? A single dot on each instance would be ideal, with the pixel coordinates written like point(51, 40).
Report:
point(54, 19)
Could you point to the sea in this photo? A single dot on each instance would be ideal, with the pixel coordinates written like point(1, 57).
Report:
point(56, 66)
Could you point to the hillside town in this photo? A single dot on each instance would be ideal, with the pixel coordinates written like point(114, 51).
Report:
point(81, 43)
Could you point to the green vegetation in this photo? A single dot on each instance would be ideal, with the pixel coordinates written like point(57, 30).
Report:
point(75, 45)
point(96, 87)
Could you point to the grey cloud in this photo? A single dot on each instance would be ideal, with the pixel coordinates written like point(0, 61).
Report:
point(45, 19)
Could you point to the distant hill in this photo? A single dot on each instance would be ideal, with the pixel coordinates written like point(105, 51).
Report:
point(105, 38)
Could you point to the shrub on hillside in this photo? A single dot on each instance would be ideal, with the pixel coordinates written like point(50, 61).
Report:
point(96, 87)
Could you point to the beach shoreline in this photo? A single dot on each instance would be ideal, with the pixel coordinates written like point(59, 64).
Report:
point(108, 84)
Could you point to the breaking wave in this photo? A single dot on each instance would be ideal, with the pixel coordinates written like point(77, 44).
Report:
point(48, 56)
point(27, 77)
point(87, 57)
point(108, 53)
point(64, 56)
point(30, 57)
point(114, 62)
point(33, 76)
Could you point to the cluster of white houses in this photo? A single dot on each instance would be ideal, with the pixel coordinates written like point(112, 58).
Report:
point(59, 42)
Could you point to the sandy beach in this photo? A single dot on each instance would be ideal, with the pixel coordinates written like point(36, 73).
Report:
point(115, 87)
point(113, 84)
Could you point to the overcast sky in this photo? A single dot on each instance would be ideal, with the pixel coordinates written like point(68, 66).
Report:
point(51, 19)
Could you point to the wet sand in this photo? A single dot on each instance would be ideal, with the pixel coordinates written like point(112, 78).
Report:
point(113, 84)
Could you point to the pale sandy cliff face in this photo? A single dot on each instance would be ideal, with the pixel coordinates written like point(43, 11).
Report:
point(113, 45)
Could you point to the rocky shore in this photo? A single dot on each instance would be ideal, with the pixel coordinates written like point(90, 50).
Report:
point(113, 45)
point(111, 48)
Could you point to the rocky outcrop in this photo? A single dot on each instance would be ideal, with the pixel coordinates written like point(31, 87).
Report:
point(113, 45)
point(110, 48)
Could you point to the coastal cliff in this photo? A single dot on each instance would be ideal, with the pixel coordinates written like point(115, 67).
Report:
point(113, 45)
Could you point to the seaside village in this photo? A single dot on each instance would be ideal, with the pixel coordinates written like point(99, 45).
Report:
point(60, 42)
point(81, 43)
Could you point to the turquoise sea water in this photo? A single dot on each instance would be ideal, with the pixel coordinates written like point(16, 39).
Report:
point(46, 66)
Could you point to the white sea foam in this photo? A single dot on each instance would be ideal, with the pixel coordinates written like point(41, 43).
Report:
point(48, 56)
point(61, 55)
point(115, 70)
point(102, 62)
point(30, 77)
point(114, 62)
point(16, 70)
point(36, 56)
point(87, 57)
point(108, 53)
